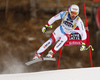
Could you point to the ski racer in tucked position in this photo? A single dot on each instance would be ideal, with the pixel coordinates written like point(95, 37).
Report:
point(70, 20)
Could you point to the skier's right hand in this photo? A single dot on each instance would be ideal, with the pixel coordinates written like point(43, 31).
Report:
point(44, 28)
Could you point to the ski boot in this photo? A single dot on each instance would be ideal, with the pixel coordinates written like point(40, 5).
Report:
point(49, 56)
point(36, 56)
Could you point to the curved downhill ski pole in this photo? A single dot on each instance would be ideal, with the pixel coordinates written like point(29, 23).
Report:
point(59, 58)
point(89, 47)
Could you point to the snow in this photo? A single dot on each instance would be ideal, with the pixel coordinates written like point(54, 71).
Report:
point(64, 74)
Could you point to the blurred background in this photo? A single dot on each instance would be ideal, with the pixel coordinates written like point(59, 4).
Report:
point(21, 36)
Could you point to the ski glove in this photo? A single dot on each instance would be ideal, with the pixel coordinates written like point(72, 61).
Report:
point(82, 48)
point(44, 28)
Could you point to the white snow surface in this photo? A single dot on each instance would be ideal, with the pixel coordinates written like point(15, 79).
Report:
point(62, 74)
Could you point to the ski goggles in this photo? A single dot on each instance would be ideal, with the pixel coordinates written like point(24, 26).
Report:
point(74, 13)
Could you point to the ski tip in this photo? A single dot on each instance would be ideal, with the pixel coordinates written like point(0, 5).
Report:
point(27, 64)
point(33, 61)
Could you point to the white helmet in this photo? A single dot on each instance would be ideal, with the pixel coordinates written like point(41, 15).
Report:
point(73, 8)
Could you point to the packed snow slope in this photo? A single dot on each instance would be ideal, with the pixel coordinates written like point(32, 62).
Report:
point(64, 74)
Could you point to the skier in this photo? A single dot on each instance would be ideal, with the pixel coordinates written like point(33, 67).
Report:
point(70, 20)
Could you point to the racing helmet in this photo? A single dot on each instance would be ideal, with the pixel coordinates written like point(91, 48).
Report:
point(73, 10)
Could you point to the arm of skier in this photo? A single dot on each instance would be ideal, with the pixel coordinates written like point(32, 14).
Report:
point(83, 34)
point(52, 20)
point(82, 30)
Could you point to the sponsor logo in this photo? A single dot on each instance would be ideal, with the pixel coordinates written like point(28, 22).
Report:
point(75, 36)
point(75, 9)
point(74, 43)
point(59, 44)
point(68, 24)
point(46, 45)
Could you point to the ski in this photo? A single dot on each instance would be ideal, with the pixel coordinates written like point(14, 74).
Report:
point(49, 59)
point(39, 60)
point(33, 61)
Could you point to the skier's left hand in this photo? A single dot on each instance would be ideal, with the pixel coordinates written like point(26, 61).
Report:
point(83, 47)
point(44, 28)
